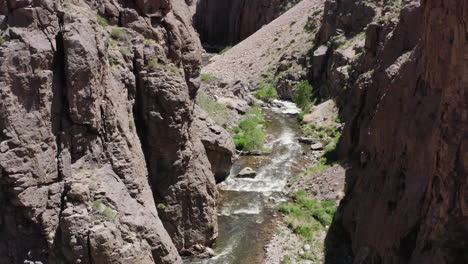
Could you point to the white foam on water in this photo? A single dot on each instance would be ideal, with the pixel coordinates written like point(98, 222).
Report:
point(286, 107)
point(273, 177)
point(250, 211)
point(228, 249)
point(234, 208)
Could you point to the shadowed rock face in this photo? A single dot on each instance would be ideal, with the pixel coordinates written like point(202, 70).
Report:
point(227, 22)
point(406, 137)
point(90, 115)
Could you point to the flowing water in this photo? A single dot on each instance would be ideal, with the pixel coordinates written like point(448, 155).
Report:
point(247, 206)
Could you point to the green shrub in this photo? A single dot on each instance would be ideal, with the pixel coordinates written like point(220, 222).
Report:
point(102, 20)
point(218, 112)
point(306, 216)
point(161, 206)
point(2, 40)
point(250, 134)
point(303, 94)
point(250, 140)
point(120, 34)
point(225, 50)
point(207, 77)
point(266, 92)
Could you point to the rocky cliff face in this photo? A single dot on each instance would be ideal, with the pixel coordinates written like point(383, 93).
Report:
point(99, 158)
point(404, 69)
point(222, 23)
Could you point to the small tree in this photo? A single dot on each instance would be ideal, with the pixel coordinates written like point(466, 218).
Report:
point(303, 94)
point(266, 92)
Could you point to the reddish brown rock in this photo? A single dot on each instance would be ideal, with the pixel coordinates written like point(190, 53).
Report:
point(406, 197)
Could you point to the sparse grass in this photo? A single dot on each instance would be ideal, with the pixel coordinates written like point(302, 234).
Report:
point(316, 170)
point(218, 112)
point(287, 259)
point(250, 134)
point(38, 71)
point(266, 91)
point(2, 40)
point(113, 63)
point(330, 136)
point(121, 35)
point(306, 216)
point(103, 210)
point(154, 64)
point(102, 20)
point(207, 77)
point(149, 42)
point(131, 124)
point(225, 50)
point(161, 206)
point(125, 50)
point(346, 43)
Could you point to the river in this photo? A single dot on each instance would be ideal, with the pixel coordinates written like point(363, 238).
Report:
point(247, 207)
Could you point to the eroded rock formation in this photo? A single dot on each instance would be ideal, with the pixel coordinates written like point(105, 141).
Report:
point(226, 22)
point(97, 134)
point(406, 124)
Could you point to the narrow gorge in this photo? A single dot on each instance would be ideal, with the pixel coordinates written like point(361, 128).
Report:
point(233, 131)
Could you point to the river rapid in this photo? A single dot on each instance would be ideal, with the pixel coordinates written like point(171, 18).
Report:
point(247, 206)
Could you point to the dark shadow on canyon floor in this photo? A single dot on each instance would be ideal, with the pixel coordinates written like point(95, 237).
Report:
point(337, 244)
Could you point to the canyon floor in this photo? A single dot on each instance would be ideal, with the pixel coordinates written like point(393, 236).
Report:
point(232, 78)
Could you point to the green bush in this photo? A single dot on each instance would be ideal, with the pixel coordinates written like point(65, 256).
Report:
point(120, 35)
point(306, 216)
point(250, 134)
point(207, 77)
point(102, 20)
point(225, 50)
point(266, 92)
point(302, 96)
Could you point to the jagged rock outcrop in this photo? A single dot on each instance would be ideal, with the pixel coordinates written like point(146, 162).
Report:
point(405, 109)
point(218, 144)
point(96, 133)
point(222, 22)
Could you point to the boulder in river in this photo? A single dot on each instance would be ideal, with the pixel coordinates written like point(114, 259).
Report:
point(247, 172)
point(306, 140)
point(317, 146)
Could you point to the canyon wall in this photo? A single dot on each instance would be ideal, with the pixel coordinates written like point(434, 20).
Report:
point(222, 22)
point(399, 74)
point(99, 159)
